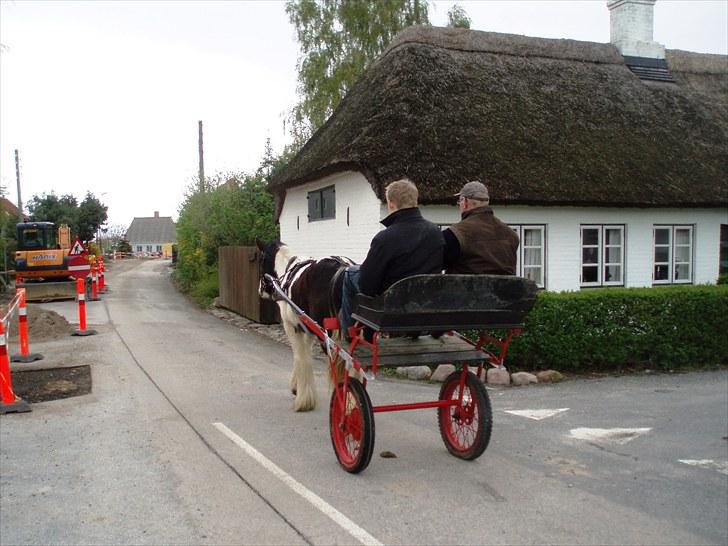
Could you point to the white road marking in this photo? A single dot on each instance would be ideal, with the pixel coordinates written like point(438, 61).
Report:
point(710, 464)
point(614, 435)
point(345, 523)
point(537, 414)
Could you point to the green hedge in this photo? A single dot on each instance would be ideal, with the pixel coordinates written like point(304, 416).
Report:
point(611, 329)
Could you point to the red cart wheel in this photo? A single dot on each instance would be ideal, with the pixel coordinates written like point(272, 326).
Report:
point(351, 423)
point(465, 428)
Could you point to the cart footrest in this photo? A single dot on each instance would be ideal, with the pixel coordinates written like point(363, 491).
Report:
point(420, 351)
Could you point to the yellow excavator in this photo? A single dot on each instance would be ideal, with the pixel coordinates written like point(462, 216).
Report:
point(46, 263)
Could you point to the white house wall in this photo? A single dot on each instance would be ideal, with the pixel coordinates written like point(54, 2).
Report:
point(334, 236)
point(562, 237)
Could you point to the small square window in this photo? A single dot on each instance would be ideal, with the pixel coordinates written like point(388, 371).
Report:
point(322, 204)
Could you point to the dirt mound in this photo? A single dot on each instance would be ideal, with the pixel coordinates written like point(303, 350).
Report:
point(43, 325)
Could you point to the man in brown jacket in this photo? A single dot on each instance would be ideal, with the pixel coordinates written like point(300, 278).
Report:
point(479, 243)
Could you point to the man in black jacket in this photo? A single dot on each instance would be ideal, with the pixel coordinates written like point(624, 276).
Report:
point(410, 245)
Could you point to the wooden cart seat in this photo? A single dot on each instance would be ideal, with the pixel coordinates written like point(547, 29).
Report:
point(429, 303)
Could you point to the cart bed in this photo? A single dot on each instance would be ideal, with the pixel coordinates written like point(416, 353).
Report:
point(420, 351)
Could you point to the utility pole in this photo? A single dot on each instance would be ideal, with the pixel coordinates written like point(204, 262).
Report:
point(202, 162)
point(17, 178)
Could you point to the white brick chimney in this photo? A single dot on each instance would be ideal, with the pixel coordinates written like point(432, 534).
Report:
point(631, 25)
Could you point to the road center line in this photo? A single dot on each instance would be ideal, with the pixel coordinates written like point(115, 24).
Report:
point(345, 523)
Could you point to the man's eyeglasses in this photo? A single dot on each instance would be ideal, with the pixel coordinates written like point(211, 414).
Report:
point(461, 200)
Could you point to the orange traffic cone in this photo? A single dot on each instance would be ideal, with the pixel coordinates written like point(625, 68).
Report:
point(82, 331)
point(25, 354)
point(9, 402)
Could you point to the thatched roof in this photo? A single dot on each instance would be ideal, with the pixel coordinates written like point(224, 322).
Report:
point(541, 121)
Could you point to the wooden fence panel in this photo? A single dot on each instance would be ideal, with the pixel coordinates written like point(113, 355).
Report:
point(239, 274)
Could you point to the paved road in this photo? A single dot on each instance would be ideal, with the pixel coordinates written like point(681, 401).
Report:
point(189, 438)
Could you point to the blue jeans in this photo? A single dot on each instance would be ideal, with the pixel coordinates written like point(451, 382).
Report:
point(349, 290)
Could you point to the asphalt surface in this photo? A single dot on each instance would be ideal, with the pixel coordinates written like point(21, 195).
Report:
point(189, 438)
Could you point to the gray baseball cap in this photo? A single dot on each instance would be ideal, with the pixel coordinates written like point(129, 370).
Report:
point(474, 190)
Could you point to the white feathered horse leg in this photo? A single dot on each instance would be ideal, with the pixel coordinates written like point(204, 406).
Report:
point(302, 382)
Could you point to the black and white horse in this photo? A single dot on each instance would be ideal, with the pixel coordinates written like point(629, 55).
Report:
point(315, 286)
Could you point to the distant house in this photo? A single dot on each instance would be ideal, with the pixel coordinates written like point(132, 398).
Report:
point(609, 160)
point(11, 209)
point(152, 235)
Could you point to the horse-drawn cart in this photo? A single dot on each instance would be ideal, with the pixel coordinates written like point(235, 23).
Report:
point(418, 321)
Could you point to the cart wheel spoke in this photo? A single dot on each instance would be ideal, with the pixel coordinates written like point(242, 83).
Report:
point(465, 427)
point(351, 424)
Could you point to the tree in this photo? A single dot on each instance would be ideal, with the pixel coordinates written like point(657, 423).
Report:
point(112, 236)
point(91, 214)
point(123, 246)
point(51, 208)
point(8, 244)
point(84, 219)
point(457, 17)
point(339, 39)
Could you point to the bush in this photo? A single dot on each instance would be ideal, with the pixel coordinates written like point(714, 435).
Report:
point(233, 209)
point(206, 289)
point(609, 329)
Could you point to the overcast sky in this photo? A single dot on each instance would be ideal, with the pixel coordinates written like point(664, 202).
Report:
point(105, 96)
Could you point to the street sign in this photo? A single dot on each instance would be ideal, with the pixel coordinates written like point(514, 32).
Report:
point(78, 267)
point(77, 249)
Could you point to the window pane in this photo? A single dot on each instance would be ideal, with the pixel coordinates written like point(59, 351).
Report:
point(662, 254)
point(613, 273)
point(682, 272)
point(682, 253)
point(614, 255)
point(532, 237)
point(534, 274)
point(532, 256)
point(590, 237)
point(682, 236)
point(590, 255)
point(661, 272)
point(662, 236)
point(589, 274)
point(614, 236)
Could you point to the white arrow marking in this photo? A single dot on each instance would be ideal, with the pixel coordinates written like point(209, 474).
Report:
point(710, 464)
point(614, 435)
point(537, 414)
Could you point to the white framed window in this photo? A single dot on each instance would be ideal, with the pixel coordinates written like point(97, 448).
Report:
point(602, 255)
point(149, 248)
point(159, 248)
point(673, 254)
point(139, 248)
point(531, 252)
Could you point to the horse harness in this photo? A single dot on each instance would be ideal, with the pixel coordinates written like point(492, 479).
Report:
point(295, 268)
